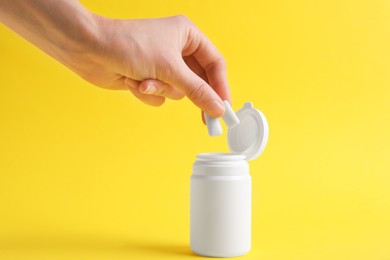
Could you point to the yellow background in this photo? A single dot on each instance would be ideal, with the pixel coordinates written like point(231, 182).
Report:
point(86, 173)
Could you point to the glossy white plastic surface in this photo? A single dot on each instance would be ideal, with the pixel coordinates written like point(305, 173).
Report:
point(250, 136)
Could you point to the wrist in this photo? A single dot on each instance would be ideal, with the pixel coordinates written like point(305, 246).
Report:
point(84, 46)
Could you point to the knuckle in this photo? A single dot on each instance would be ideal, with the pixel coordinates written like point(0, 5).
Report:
point(219, 64)
point(198, 93)
point(181, 18)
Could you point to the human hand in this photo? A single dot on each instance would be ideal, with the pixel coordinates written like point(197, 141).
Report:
point(158, 59)
point(154, 58)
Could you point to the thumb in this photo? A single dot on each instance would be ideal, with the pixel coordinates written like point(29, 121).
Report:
point(197, 90)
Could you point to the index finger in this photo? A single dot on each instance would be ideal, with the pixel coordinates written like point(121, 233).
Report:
point(211, 60)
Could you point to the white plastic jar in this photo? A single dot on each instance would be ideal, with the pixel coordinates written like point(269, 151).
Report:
point(221, 205)
point(221, 190)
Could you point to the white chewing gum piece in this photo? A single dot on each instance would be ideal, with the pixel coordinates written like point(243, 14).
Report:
point(230, 118)
point(213, 125)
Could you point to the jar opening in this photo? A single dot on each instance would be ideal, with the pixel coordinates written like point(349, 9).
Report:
point(220, 156)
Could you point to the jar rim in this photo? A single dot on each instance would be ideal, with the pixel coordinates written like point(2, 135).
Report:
point(220, 156)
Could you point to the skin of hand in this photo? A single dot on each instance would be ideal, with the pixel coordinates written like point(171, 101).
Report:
point(153, 58)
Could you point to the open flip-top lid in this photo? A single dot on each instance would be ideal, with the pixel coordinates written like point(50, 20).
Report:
point(250, 136)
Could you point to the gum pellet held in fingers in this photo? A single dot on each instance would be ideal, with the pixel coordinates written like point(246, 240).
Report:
point(230, 118)
point(213, 125)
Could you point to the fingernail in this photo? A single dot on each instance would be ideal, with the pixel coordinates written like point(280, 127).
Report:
point(215, 108)
point(150, 89)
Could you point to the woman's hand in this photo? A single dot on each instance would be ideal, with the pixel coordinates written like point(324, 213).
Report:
point(153, 58)
point(158, 59)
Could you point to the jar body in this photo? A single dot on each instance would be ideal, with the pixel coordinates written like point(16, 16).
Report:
point(221, 207)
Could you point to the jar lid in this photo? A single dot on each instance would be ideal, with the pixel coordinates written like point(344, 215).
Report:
point(250, 136)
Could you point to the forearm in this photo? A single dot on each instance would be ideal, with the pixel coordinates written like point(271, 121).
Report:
point(61, 28)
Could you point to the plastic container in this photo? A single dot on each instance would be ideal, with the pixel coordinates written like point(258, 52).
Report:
point(221, 190)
